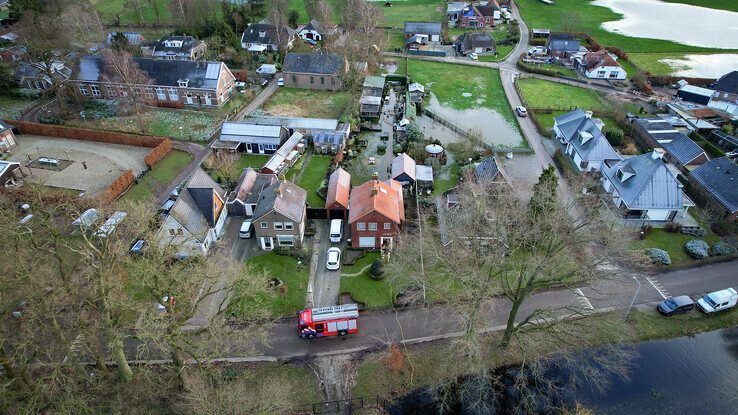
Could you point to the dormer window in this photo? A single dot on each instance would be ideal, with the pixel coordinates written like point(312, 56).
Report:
point(262, 33)
point(624, 175)
point(184, 83)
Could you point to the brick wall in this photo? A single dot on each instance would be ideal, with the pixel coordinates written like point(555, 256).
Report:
point(88, 135)
point(118, 187)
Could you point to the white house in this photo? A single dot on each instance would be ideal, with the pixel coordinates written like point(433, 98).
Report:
point(599, 65)
point(313, 32)
point(197, 219)
point(585, 143)
point(644, 187)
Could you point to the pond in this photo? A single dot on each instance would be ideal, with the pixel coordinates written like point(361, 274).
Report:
point(681, 23)
point(495, 130)
point(682, 375)
point(703, 66)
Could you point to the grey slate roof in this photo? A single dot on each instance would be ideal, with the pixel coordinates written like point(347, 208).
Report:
point(569, 123)
point(423, 28)
point(487, 169)
point(188, 43)
point(202, 75)
point(727, 83)
point(471, 40)
point(653, 186)
point(563, 42)
point(134, 38)
point(250, 184)
point(4, 126)
point(251, 34)
point(290, 202)
point(719, 177)
point(329, 138)
point(313, 63)
point(596, 148)
point(314, 25)
point(194, 206)
point(683, 149)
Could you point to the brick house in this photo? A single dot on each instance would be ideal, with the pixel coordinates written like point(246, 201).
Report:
point(337, 199)
point(314, 71)
point(189, 83)
point(279, 217)
point(377, 213)
point(479, 16)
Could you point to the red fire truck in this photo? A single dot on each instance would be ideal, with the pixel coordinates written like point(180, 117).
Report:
point(328, 321)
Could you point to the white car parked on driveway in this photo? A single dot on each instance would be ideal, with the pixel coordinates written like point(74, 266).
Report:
point(333, 259)
point(718, 300)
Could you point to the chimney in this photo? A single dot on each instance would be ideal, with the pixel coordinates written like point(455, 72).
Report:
point(375, 190)
point(282, 177)
point(278, 190)
point(375, 176)
point(656, 155)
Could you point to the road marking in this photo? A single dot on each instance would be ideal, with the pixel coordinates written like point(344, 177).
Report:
point(660, 288)
point(583, 299)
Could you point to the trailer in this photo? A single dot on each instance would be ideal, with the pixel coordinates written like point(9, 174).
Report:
point(328, 321)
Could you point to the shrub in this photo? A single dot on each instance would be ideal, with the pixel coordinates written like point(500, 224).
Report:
point(397, 148)
point(673, 227)
point(723, 248)
point(376, 270)
point(696, 232)
point(381, 148)
point(697, 248)
point(614, 137)
point(659, 255)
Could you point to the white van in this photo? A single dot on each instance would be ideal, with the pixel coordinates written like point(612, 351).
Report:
point(718, 300)
point(245, 231)
point(336, 230)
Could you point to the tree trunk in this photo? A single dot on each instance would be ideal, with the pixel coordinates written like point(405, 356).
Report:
point(179, 365)
point(510, 327)
point(116, 348)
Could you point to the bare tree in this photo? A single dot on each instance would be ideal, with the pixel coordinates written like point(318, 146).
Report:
point(154, 5)
point(278, 14)
point(47, 40)
point(137, 6)
point(122, 70)
point(178, 9)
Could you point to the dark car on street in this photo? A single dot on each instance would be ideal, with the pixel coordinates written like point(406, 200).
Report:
point(675, 305)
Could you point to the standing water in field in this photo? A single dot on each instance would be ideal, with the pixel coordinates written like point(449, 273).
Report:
point(681, 23)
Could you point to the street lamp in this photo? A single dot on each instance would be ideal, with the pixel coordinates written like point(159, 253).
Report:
point(634, 296)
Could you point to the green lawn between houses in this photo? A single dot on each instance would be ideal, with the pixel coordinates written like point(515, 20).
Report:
point(294, 277)
point(109, 9)
point(673, 243)
point(539, 93)
point(163, 173)
point(11, 108)
point(294, 102)
point(312, 177)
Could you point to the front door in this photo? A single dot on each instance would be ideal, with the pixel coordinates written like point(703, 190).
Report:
point(386, 242)
point(248, 147)
point(261, 149)
point(208, 100)
point(189, 98)
point(267, 243)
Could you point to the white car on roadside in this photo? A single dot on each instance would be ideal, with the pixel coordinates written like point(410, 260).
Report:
point(718, 300)
point(333, 259)
point(280, 82)
point(473, 56)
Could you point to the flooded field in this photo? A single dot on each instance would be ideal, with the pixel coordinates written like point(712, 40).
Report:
point(703, 66)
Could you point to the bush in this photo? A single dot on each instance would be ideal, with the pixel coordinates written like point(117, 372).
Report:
point(696, 232)
point(564, 165)
point(723, 248)
point(697, 249)
point(376, 270)
point(381, 148)
point(659, 255)
point(673, 227)
point(614, 137)
point(397, 148)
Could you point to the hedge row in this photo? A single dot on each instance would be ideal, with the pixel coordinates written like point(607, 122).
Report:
point(539, 70)
point(118, 187)
point(670, 80)
point(158, 153)
point(73, 133)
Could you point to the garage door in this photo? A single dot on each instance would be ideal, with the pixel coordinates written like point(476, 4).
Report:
point(366, 242)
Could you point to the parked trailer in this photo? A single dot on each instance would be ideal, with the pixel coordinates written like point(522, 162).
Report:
point(328, 321)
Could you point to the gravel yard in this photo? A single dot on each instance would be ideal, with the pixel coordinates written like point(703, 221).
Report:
point(104, 162)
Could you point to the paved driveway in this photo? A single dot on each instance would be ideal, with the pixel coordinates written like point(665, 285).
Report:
point(326, 284)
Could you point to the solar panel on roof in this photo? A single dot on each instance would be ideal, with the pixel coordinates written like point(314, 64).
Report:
point(213, 71)
point(250, 129)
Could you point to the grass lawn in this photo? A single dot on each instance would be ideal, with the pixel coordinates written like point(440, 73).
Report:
point(294, 277)
point(547, 120)
point(394, 40)
point(449, 82)
point(372, 293)
point(294, 102)
point(415, 10)
point(255, 161)
point(4, 14)
point(110, 8)
point(730, 5)
point(539, 93)
point(651, 62)
point(443, 185)
point(673, 243)
point(589, 18)
point(164, 172)
point(10, 108)
point(312, 177)
point(177, 124)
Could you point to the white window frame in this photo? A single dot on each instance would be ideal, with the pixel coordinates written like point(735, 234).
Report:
point(160, 94)
point(289, 226)
point(83, 89)
point(360, 226)
point(95, 90)
point(173, 96)
point(372, 226)
point(264, 225)
point(387, 226)
point(278, 226)
point(281, 243)
point(149, 93)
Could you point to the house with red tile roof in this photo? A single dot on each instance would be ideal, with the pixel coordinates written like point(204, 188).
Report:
point(376, 213)
point(337, 199)
point(600, 65)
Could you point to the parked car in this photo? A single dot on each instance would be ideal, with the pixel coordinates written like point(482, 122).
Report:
point(522, 112)
point(473, 56)
point(333, 259)
point(280, 82)
point(718, 300)
point(245, 231)
point(675, 305)
point(336, 232)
